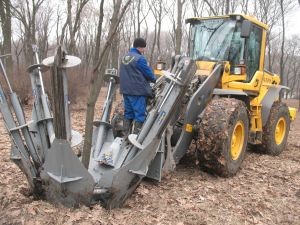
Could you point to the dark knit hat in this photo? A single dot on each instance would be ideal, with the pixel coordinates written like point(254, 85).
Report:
point(139, 42)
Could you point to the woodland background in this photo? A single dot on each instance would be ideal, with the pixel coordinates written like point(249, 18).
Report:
point(85, 27)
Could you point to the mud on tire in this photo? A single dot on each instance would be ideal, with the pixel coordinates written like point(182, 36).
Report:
point(222, 137)
point(275, 132)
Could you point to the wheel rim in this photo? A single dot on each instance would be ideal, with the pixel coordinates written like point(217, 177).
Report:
point(280, 130)
point(237, 140)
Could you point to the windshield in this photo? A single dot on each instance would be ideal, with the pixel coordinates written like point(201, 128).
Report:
point(212, 39)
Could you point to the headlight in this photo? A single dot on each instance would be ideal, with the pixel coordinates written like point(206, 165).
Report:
point(238, 70)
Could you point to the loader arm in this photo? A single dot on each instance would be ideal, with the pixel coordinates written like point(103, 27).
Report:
point(195, 107)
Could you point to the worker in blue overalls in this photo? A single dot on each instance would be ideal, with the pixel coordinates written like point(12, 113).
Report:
point(135, 78)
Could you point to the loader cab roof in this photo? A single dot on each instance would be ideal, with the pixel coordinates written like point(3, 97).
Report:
point(232, 16)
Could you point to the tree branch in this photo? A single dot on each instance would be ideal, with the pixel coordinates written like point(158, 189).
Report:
point(210, 7)
point(110, 37)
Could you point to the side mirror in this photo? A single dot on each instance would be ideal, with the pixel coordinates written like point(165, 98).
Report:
point(246, 29)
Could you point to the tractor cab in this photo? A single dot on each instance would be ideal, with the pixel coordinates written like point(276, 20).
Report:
point(236, 39)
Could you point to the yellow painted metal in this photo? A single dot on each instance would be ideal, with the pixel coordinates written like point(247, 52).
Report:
point(158, 72)
point(204, 68)
point(230, 78)
point(255, 21)
point(254, 85)
point(255, 119)
point(189, 128)
point(257, 89)
point(250, 18)
point(293, 112)
point(280, 130)
point(227, 77)
point(237, 140)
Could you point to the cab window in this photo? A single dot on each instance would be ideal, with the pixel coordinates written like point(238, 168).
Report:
point(253, 56)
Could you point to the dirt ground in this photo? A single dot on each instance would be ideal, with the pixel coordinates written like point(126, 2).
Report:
point(265, 191)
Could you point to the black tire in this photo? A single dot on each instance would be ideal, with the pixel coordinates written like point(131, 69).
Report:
point(279, 117)
point(219, 150)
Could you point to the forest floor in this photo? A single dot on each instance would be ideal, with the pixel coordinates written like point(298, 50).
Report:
point(265, 191)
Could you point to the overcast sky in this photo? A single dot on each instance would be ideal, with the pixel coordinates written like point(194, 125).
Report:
point(293, 22)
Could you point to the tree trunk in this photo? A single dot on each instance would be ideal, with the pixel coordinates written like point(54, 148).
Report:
point(26, 13)
point(116, 40)
point(115, 52)
point(99, 33)
point(159, 27)
point(178, 31)
point(97, 80)
point(5, 18)
point(74, 26)
point(210, 7)
point(138, 19)
point(282, 42)
point(227, 7)
point(151, 60)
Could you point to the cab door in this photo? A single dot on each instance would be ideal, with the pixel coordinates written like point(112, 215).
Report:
point(253, 53)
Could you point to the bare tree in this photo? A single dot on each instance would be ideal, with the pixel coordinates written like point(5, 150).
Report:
point(211, 7)
point(44, 28)
point(178, 30)
point(116, 41)
point(285, 6)
point(74, 25)
point(5, 20)
point(244, 5)
point(156, 8)
point(268, 12)
point(197, 7)
point(85, 44)
point(97, 80)
point(17, 49)
point(99, 32)
point(26, 12)
point(175, 12)
point(227, 6)
point(273, 13)
point(59, 17)
point(292, 64)
point(142, 13)
point(126, 34)
point(283, 39)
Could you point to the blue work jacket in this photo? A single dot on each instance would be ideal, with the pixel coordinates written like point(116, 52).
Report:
point(135, 74)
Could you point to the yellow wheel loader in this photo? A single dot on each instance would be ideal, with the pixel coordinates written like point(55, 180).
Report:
point(247, 106)
point(220, 96)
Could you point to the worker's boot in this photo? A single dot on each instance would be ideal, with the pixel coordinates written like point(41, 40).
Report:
point(127, 127)
point(137, 127)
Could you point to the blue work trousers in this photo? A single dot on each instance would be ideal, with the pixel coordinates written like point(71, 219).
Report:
point(135, 108)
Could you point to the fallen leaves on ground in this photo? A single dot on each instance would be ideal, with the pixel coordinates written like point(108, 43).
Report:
point(265, 191)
